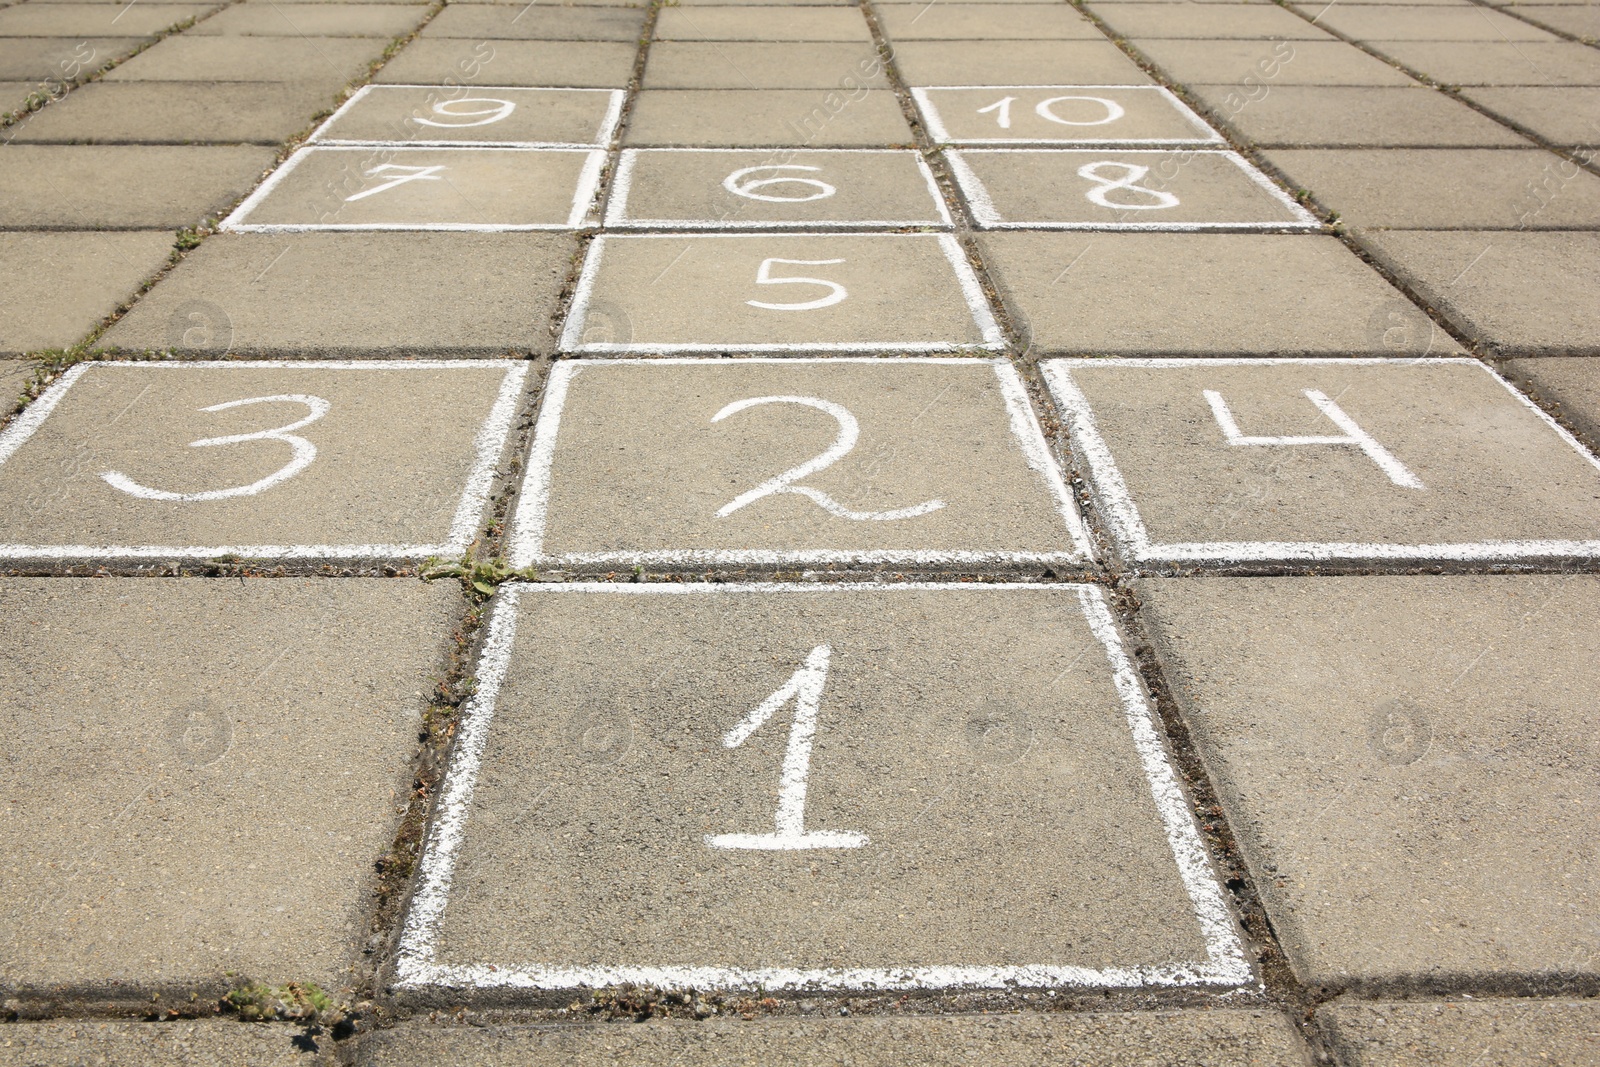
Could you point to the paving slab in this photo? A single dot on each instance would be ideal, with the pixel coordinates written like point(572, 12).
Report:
point(1497, 62)
point(491, 116)
point(1121, 189)
point(328, 62)
point(1201, 1038)
point(14, 95)
point(1060, 115)
point(1569, 387)
point(1406, 763)
point(1237, 460)
point(402, 294)
point(762, 23)
point(384, 460)
point(461, 61)
point(175, 113)
point(732, 188)
point(1340, 116)
point(211, 769)
point(949, 466)
point(748, 117)
point(1012, 62)
point(763, 65)
point(58, 60)
point(1431, 23)
point(504, 22)
point(1202, 294)
point(1512, 293)
point(985, 22)
point(1563, 116)
point(96, 20)
point(312, 20)
point(150, 187)
point(1486, 1033)
point(772, 292)
point(1579, 21)
point(1445, 188)
point(1271, 63)
point(73, 1042)
point(60, 286)
point(586, 790)
point(1232, 22)
point(365, 187)
point(14, 375)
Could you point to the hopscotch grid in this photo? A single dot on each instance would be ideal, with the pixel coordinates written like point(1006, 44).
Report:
point(603, 135)
point(993, 340)
point(1132, 535)
point(937, 130)
point(526, 541)
point(416, 966)
point(587, 185)
point(617, 218)
point(988, 217)
point(487, 450)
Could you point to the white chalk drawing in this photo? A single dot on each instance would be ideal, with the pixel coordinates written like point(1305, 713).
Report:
point(1132, 174)
point(836, 293)
point(1398, 473)
point(1045, 110)
point(740, 183)
point(483, 116)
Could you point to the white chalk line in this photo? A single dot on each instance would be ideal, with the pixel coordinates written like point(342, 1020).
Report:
point(417, 966)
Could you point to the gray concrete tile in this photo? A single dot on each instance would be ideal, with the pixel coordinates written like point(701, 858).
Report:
point(459, 61)
point(60, 60)
point(430, 114)
point(725, 189)
point(1211, 22)
point(1329, 116)
point(386, 460)
point(753, 117)
point(1237, 460)
point(1202, 294)
point(948, 466)
point(175, 113)
point(95, 20)
point(212, 768)
point(763, 3)
point(1445, 188)
point(644, 794)
point(778, 293)
point(72, 1042)
point(312, 20)
point(1016, 62)
point(1407, 769)
point(373, 188)
point(1429, 23)
point(1200, 1038)
point(1486, 1033)
point(1256, 63)
point(402, 294)
point(1120, 189)
point(1570, 388)
point(1513, 293)
point(985, 22)
point(14, 95)
point(759, 65)
point(327, 62)
point(1579, 21)
point(152, 187)
point(59, 286)
point(1497, 62)
point(505, 22)
point(1060, 115)
point(762, 23)
point(1563, 116)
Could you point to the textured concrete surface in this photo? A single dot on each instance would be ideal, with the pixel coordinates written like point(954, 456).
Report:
point(1226, 22)
point(1255, 63)
point(1406, 23)
point(1409, 776)
point(60, 60)
point(789, 117)
point(1568, 388)
point(144, 187)
point(1329, 116)
point(980, 22)
point(210, 770)
point(268, 295)
point(497, 22)
point(106, 269)
point(308, 20)
point(323, 61)
point(460, 115)
point(386, 459)
point(176, 113)
point(1491, 472)
point(1201, 1039)
point(632, 476)
point(1016, 62)
point(75, 1042)
point(1486, 1033)
point(1202, 295)
point(763, 65)
point(464, 61)
point(761, 24)
point(1563, 116)
point(1497, 62)
point(95, 20)
point(14, 374)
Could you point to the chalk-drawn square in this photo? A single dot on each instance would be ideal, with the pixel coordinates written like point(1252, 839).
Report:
point(1060, 115)
point(481, 116)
